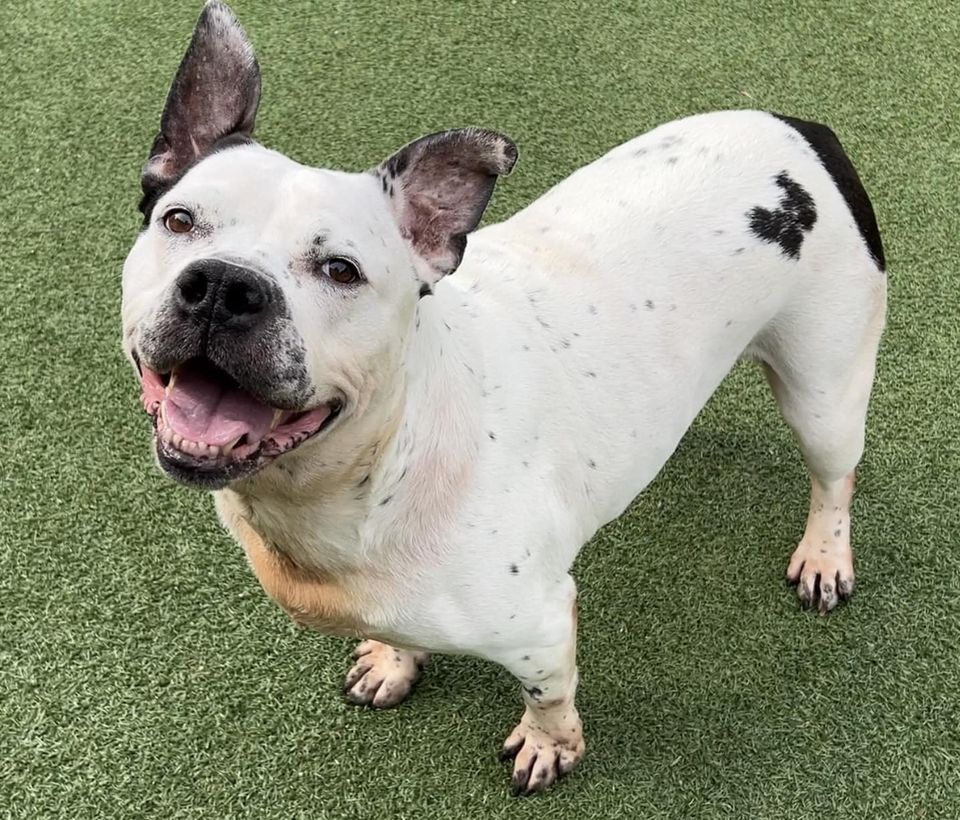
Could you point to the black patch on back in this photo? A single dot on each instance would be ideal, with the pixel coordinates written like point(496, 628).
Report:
point(822, 140)
point(786, 225)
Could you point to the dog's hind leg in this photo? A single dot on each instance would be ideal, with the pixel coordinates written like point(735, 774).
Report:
point(382, 675)
point(820, 359)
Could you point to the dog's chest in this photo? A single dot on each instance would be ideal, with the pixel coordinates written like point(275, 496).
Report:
point(335, 602)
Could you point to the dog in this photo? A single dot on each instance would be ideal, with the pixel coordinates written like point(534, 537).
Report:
point(414, 457)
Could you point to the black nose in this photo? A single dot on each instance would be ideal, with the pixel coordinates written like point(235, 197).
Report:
point(216, 293)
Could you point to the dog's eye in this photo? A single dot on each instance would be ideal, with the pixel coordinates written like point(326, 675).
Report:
point(178, 221)
point(341, 271)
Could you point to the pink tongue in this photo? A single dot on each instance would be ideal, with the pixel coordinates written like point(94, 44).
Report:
point(202, 407)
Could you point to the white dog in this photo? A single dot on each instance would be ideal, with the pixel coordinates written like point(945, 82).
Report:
point(416, 458)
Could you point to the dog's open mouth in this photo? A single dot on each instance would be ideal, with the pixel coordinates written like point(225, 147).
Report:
point(207, 423)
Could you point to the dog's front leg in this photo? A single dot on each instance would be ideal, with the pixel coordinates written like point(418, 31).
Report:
point(548, 741)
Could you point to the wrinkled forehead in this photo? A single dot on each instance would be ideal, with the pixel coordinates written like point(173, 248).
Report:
point(269, 196)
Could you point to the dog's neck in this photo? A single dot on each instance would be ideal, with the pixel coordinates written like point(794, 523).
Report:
point(383, 490)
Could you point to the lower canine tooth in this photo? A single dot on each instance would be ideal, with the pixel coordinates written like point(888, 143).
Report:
point(228, 448)
point(277, 414)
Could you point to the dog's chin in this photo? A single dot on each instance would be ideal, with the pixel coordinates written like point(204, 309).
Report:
point(210, 432)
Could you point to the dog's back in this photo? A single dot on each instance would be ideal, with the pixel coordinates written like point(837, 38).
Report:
point(613, 306)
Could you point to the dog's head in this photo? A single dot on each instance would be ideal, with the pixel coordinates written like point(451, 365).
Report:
point(264, 300)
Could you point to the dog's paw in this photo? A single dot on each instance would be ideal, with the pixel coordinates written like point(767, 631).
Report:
point(823, 573)
point(382, 675)
point(539, 756)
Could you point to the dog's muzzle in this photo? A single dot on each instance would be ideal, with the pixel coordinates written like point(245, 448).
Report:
point(223, 377)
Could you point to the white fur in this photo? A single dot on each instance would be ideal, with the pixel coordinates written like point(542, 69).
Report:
point(545, 383)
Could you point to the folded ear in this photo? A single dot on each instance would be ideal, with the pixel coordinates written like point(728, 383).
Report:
point(438, 188)
point(214, 95)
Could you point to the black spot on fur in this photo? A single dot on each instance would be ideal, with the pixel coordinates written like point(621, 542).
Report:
point(787, 225)
point(425, 290)
point(492, 436)
point(648, 304)
point(534, 692)
point(386, 500)
point(839, 166)
point(514, 569)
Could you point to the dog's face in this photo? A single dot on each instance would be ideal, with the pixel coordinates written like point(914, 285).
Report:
point(264, 301)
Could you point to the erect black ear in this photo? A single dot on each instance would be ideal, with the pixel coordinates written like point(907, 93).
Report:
point(438, 187)
point(214, 95)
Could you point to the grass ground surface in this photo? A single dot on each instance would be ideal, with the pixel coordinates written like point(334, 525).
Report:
point(143, 674)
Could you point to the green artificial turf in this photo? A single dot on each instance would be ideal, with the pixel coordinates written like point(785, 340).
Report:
point(143, 673)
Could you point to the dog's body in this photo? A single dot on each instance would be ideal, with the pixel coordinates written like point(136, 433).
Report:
point(505, 415)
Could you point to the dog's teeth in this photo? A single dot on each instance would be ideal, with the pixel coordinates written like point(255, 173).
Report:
point(173, 379)
point(213, 451)
point(228, 448)
point(177, 440)
point(163, 415)
point(277, 415)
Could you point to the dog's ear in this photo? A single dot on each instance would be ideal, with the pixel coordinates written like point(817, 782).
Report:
point(214, 95)
point(438, 187)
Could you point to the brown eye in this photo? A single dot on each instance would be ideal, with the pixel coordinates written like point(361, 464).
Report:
point(341, 271)
point(178, 221)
